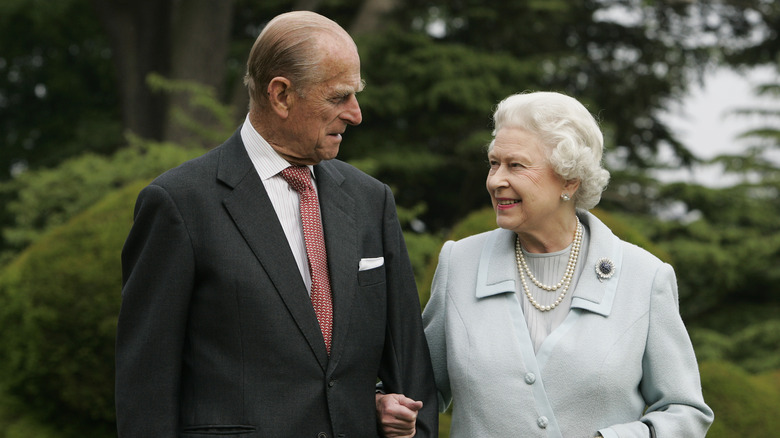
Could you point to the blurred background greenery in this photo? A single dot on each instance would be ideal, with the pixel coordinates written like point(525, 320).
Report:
point(98, 97)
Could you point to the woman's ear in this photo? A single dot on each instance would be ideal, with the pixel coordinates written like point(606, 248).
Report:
point(280, 96)
point(570, 186)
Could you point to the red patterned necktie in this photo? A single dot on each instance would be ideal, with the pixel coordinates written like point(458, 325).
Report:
point(299, 178)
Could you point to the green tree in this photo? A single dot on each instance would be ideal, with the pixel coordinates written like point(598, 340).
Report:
point(624, 58)
point(58, 309)
point(57, 94)
point(42, 199)
point(437, 69)
point(743, 404)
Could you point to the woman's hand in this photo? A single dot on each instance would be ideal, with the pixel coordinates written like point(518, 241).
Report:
point(397, 415)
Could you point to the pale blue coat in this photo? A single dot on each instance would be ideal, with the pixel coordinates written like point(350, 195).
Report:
point(622, 347)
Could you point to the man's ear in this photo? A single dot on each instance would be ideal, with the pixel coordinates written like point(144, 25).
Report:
point(280, 96)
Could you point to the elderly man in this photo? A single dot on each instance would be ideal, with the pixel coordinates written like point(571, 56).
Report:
point(266, 285)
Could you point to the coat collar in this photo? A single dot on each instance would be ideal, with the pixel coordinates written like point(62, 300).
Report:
point(497, 272)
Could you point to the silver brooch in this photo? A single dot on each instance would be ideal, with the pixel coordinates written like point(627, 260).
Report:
point(605, 268)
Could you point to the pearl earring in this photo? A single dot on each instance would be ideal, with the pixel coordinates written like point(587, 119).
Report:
point(565, 197)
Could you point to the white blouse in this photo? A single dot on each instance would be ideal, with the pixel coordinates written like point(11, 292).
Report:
point(549, 268)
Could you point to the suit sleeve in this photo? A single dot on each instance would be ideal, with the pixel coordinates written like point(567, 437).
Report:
point(157, 270)
point(670, 384)
point(406, 364)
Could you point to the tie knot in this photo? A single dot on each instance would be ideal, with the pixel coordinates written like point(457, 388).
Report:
point(298, 177)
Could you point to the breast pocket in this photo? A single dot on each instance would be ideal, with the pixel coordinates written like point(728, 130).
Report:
point(371, 276)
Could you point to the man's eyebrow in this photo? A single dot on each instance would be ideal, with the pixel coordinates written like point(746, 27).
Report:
point(347, 90)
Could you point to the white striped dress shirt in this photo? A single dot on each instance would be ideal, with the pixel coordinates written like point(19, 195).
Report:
point(284, 198)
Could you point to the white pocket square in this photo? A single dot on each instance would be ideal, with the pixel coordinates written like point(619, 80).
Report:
point(371, 263)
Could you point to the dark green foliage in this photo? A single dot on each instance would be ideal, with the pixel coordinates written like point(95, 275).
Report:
point(754, 348)
point(426, 110)
point(622, 68)
point(50, 197)
point(58, 307)
point(423, 250)
point(204, 100)
point(13, 424)
point(743, 404)
point(731, 254)
point(57, 90)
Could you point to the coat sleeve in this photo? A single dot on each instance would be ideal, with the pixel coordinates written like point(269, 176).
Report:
point(434, 321)
point(406, 364)
point(157, 270)
point(670, 384)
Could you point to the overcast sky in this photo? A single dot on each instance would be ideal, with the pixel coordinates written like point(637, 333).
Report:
point(703, 122)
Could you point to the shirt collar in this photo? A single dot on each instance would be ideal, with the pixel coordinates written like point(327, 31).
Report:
point(265, 159)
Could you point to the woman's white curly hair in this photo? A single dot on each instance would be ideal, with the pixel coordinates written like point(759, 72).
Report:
point(570, 133)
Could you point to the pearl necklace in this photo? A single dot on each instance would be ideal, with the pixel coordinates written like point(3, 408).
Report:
point(565, 282)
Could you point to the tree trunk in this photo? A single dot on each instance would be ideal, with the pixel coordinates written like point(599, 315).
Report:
point(200, 40)
point(139, 35)
point(306, 5)
point(177, 39)
point(370, 18)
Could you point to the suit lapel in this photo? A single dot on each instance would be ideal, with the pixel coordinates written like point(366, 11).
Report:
point(252, 212)
point(340, 229)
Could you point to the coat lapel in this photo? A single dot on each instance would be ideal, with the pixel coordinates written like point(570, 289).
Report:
point(497, 269)
point(251, 210)
point(592, 293)
point(338, 221)
point(496, 272)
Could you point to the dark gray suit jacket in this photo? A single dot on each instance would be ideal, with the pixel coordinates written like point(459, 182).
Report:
point(217, 334)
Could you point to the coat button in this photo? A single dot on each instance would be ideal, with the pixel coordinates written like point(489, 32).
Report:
point(322, 435)
point(530, 378)
point(542, 422)
point(331, 383)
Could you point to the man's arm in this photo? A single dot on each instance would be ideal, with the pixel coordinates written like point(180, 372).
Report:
point(157, 262)
point(406, 365)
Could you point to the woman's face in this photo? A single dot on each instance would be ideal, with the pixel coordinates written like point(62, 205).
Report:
point(525, 191)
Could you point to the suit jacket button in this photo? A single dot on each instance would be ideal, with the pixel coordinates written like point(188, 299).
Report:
point(331, 383)
point(322, 435)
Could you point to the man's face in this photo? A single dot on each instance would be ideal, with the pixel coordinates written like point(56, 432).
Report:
point(316, 121)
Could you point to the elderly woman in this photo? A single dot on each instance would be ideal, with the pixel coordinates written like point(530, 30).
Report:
point(551, 326)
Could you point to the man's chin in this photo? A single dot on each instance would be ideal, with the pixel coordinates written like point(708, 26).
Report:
point(328, 154)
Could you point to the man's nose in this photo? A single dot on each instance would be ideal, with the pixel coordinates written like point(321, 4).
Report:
point(352, 114)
